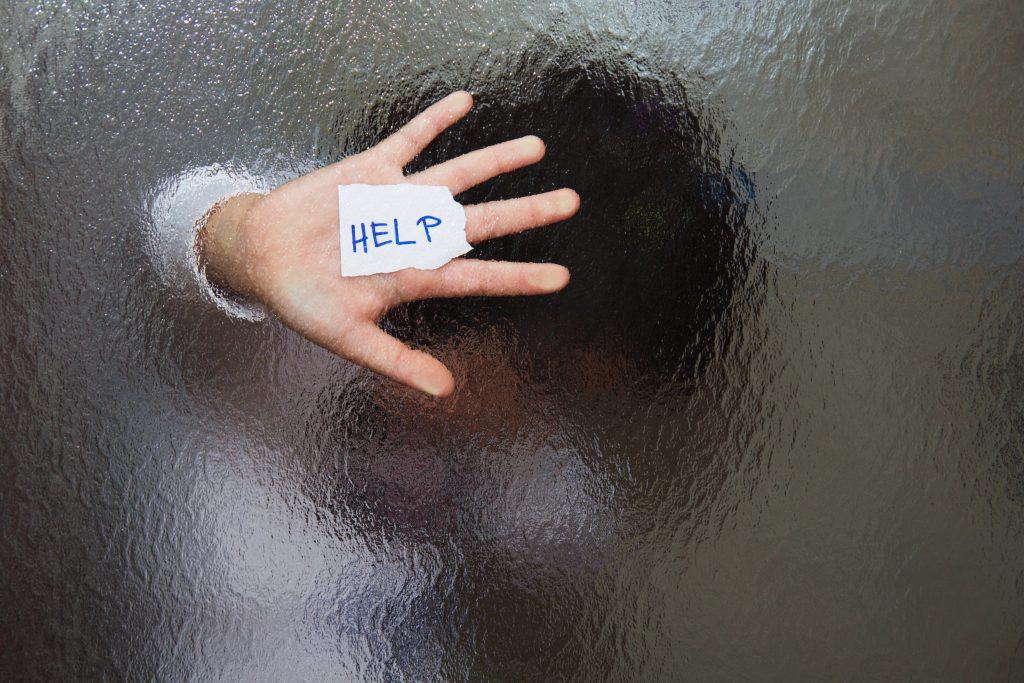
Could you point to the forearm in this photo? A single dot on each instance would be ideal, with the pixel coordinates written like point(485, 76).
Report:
point(222, 244)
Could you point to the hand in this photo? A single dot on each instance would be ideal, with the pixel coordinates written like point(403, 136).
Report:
point(283, 248)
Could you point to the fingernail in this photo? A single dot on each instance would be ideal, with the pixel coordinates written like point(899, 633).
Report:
point(550, 279)
point(533, 142)
point(462, 94)
point(569, 201)
point(433, 386)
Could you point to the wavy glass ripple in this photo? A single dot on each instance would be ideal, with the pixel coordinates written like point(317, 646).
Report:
point(772, 430)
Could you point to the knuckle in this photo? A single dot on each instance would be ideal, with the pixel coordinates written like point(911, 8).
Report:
point(539, 211)
point(461, 176)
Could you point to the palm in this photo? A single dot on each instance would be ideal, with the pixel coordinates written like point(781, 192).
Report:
point(292, 243)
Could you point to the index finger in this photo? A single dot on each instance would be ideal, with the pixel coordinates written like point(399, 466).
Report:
point(412, 138)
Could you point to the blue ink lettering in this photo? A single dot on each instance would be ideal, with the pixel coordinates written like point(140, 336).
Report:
point(398, 239)
point(373, 229)
point(361, 239)
point(425, 221)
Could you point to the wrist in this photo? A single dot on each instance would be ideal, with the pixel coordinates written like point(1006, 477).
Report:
point(222, 241)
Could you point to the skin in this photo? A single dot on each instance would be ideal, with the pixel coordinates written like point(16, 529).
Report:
point(282, 248)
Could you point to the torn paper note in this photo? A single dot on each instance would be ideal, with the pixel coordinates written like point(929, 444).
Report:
point(385, 228)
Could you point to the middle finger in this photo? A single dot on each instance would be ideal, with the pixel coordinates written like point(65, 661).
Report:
point(509, 216)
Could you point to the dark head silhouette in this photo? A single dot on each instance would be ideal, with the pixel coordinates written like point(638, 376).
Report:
point(659, 244)
point(657, 253)
point(544, 452)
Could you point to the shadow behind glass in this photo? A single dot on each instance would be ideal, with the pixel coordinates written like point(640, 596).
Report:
point(569, 383)
point(659, 244)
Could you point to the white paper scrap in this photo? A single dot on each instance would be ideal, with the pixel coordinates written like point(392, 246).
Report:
point(385, 228)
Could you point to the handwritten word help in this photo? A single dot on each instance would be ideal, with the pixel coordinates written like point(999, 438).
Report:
point(385, 228)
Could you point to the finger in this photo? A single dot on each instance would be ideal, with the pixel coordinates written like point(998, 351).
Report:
point(509, 216)
point(472, 277)
point(402, 146)
point(462, 173)
point(372, 348)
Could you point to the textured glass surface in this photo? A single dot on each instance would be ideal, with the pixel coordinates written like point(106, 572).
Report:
point(773, 428)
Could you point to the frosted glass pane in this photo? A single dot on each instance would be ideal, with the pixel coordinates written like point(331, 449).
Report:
point(771, 430)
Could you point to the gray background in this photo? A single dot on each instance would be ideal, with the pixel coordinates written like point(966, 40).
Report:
point(169, 500)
